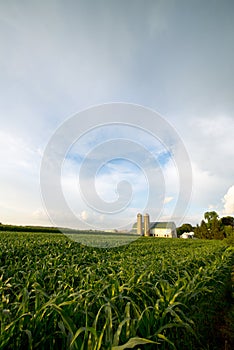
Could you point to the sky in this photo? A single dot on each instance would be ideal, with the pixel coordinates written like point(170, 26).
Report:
point(59, 58)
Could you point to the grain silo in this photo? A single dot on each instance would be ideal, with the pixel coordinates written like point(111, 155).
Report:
point(139, 224)
point(146, 225)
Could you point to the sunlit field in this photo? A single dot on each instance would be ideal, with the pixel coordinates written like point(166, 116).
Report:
point(149, 294)
point(106, 240)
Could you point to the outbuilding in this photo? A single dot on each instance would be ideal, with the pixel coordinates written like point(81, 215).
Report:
point(187, 235)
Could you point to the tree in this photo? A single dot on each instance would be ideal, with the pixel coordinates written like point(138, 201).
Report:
point(210, 217)
point(205, 231)
point(217, 230)
point(228, 231)
point(214, 228)
point(202, 230)
point(184, 228)
point(227, 221)
point(211, 227)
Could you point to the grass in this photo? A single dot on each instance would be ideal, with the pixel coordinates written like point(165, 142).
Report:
point(149, 294)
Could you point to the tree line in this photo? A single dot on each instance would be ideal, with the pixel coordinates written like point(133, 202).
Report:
point(15, 228)
point(211, 227)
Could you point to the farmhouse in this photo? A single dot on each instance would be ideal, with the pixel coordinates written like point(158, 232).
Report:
point(155, 229)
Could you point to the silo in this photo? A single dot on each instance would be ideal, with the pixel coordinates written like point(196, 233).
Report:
point(146, 225)
point(139, 224)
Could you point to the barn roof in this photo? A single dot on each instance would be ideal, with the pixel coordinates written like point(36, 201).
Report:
point(165, 224)
point(159, 224)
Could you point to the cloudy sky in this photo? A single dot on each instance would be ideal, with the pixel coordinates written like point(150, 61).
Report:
point(61, 57)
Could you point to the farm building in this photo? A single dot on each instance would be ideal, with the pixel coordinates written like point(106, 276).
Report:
point(163, 229)
point(186, 235)
point(155, 229)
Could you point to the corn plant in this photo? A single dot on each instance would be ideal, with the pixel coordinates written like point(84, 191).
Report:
point(149, 294)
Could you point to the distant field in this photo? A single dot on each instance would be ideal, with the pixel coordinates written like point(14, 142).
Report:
point(150, 294)
point(105, 240)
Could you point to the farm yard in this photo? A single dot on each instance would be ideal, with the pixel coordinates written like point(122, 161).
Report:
point(149, 294)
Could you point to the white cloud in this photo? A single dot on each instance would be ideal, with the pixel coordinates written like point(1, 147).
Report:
point(168, 199)
point(210, 146)
point(210, 143)
point(56, 60)
point(84, 215)
point(228, 201)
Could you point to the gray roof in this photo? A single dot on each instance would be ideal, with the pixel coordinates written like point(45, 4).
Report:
point(165, 224)
point(159, 224)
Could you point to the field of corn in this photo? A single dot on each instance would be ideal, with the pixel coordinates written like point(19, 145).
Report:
point(149, 294)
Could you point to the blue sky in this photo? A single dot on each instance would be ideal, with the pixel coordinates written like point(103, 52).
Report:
point(58, 58)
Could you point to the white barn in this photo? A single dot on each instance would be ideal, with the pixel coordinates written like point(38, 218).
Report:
point(163, 229)
point(155, 229)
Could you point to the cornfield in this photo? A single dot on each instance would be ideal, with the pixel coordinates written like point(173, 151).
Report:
point(150, 294)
